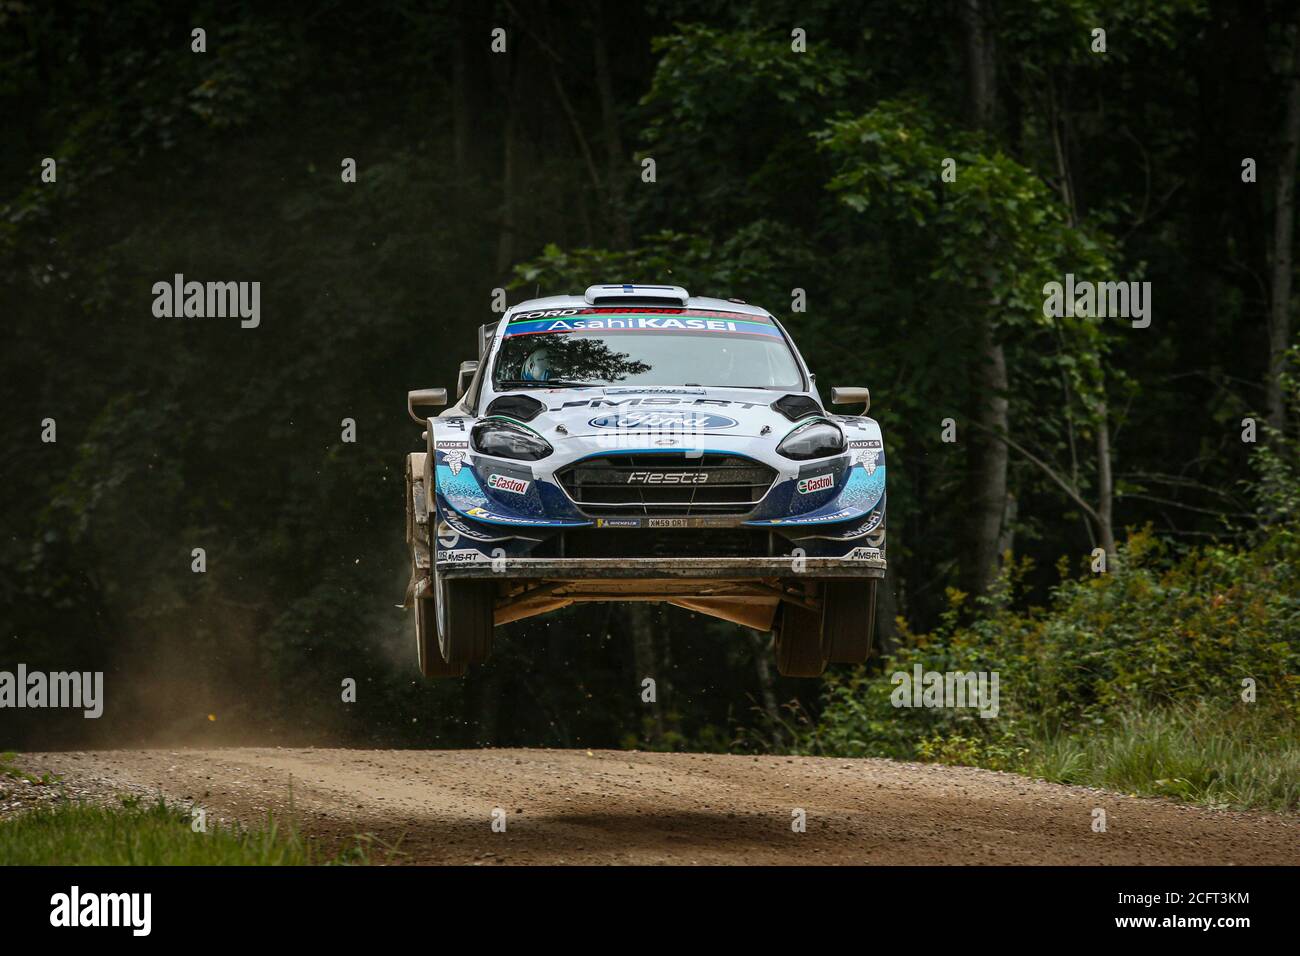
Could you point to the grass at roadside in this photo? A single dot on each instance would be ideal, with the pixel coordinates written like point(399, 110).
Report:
point(8, 769)
point(1217, 757)
point(135, 833)
point(1173, 674)
point(1205, 753)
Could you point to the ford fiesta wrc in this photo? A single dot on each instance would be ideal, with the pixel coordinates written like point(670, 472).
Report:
point(638, 443)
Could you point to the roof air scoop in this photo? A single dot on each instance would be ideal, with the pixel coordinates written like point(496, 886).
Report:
point(634, 294)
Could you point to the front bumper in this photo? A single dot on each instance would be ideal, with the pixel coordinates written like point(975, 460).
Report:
point(730, 569)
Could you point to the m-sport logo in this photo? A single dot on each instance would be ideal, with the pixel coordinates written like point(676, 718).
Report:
point(669, 420)
point(668, 478)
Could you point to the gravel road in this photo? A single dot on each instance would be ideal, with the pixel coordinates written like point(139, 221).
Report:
point(629, 807)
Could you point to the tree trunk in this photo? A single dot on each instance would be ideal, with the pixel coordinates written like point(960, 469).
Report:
point(887, 614)
point(761, 647)
point(987, 481)
point(1010, 512)
point(619, 169)
point(1105, 486)
point(981, 62)
point(645, 661)
point(477, 86)
point(1279, 324)
point(460, 108)
point(506, 237)
point(488, 702)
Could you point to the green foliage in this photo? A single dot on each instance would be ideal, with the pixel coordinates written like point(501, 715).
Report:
point(776, 170)
point(1058, 33)
point(1162, 642)
point(715, 164)
point(745, 71)
point(150, 834)
point(996, 233)
point(748, 263)
point(1276, 459)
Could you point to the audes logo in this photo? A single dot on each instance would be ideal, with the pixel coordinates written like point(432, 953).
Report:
point(516, 486)
point(816, 483)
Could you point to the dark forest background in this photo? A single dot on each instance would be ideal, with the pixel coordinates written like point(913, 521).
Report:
point(775, 170)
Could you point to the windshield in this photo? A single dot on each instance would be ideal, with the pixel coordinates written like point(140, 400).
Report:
point(611, 346)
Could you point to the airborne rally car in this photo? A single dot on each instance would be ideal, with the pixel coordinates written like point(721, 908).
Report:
point(637, 443)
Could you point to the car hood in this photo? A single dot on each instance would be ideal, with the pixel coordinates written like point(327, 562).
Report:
point(659, 412)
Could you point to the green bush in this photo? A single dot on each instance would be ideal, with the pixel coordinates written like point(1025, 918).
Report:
point(1133, 678)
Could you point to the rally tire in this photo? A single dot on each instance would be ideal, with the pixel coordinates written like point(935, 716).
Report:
point(798, 642)
point(848, 620)
point(465, 612)
point(427, 651)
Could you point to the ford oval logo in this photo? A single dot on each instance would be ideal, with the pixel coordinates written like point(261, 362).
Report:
point(672, 421)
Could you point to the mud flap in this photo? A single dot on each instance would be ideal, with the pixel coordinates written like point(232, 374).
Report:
point(417, 526)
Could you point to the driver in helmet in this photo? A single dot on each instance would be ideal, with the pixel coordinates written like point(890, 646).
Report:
point(537, 367)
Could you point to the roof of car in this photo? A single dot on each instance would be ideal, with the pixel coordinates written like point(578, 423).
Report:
point(578, 302)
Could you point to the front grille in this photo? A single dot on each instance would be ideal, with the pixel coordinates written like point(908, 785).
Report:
point(667, 484)
point(672, 543)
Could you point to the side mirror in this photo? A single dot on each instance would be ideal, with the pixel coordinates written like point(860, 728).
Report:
point(424, 398)
point(467, 370)
point(849, 396)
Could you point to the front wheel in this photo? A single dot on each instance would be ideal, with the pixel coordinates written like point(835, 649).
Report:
point(798, 641)
point(426, 643)
point(465, 619)
point(848, 619)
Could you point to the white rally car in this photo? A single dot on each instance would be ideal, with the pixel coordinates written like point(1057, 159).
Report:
point(638, 443)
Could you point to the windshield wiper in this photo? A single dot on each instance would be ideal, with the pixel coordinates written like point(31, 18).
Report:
point(549, 383)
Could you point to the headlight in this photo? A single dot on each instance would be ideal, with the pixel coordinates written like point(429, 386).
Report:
point(504, 440)
point(814, 440)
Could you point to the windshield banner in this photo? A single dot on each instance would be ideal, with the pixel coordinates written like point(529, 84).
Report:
point(640, 320)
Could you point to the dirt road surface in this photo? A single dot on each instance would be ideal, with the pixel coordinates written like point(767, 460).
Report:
point(603, 807)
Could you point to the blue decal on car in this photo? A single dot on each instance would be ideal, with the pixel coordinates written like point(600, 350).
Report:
point(690, 421)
